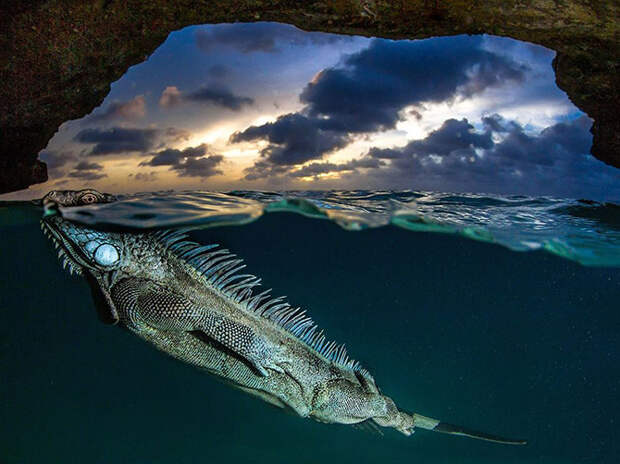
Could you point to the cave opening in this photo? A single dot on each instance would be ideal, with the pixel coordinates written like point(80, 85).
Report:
point(268, 106)
point(59, 58)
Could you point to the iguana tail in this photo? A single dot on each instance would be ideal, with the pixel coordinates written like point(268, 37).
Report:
point(442, 427)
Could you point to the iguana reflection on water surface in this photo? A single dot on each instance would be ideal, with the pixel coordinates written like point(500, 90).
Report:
point(192, 302)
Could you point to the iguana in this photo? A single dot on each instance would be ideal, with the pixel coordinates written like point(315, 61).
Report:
point(191, 302)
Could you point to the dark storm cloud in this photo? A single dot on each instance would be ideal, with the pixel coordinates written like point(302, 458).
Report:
point(494, 123)
point(453, 137)
point(293, 139)
point(456, 157)
point(259, 37)
point(220, 96)
point(370, 89)
point(189, 162)
point(210, 94)
point(457, 151)
point(117, 140)
point(174, 156)
point(87, 171)
point(367, 93)
point(167, 157)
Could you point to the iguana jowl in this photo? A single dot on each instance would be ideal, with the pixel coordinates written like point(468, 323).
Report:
point(192, 302)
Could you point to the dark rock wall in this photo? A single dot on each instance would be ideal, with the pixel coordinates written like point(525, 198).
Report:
point(58, 57)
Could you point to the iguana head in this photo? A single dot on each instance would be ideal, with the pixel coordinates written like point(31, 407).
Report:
point(80, 247)
point(76, 197)
point(83, 248)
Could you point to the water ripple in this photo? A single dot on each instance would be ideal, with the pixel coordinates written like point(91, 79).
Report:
point(584, 231)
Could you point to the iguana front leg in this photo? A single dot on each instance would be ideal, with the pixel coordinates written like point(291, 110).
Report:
point(159, 307)
point(191, 349)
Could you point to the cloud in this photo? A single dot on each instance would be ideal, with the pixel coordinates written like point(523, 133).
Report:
point(177, 134)
point(457, 157)
point(369, 91)
point(210, 94)
point(132, 109)
point(117, 140)
point(457, 150)
point(495, 123)
point(293, 139)
point(56, 161)
point(170, 97)
point(220, 96)
point(200, 167)
point(263, 169)
point(452, 137)
point(87, 175)
point(259, 37)
point(173, 156)
point(189, 162)
point(86, 166)
point(167, 157)
point(315, 169)
point(87, 171)
point(496, 156)
point(145, 176)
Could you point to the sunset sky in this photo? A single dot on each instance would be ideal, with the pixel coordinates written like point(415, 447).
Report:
point(266, 106)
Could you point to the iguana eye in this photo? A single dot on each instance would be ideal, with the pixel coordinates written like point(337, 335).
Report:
point(106, 255)
point(88, 198)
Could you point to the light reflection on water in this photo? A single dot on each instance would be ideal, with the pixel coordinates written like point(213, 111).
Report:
point(584, 231)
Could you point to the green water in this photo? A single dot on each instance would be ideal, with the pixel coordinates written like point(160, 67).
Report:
point(522, 344)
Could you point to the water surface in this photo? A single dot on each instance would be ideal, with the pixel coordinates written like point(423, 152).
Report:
point(581, 230)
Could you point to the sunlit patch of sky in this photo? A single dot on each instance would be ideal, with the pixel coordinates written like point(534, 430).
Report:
point(258, 106)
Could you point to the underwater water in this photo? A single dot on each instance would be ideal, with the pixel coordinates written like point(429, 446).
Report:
point(497, 313)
